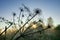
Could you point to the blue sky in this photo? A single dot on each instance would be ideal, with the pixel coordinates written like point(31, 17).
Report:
point(50, 8)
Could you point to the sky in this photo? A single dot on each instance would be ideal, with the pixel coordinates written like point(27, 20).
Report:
point(50, 8)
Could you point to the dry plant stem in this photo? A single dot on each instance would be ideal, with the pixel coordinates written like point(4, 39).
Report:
point(19, 18)
point(22, 27)
point(39, 31)
point(6, 29)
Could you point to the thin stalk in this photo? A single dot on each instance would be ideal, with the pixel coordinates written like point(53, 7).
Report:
point(5, 32)
point(6, 29)
point(19, 18)
point(22, 27)
point(39, 31)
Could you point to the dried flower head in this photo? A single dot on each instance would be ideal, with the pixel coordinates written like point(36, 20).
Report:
point(29, 14)
point(22, 15)
point(37, 11)
point(21, 9)
point(14, 14)
point(3, 18)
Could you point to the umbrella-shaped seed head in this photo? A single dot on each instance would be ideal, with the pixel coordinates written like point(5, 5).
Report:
point(29, 14)
point(2, 18)
point(37, 11)
point(21, 9)
point(14, 14)
point(22, 15)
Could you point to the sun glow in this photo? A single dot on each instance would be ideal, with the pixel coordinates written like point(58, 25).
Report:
point(34, 26)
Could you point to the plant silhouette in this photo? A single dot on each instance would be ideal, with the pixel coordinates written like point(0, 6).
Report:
point(35, 29)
